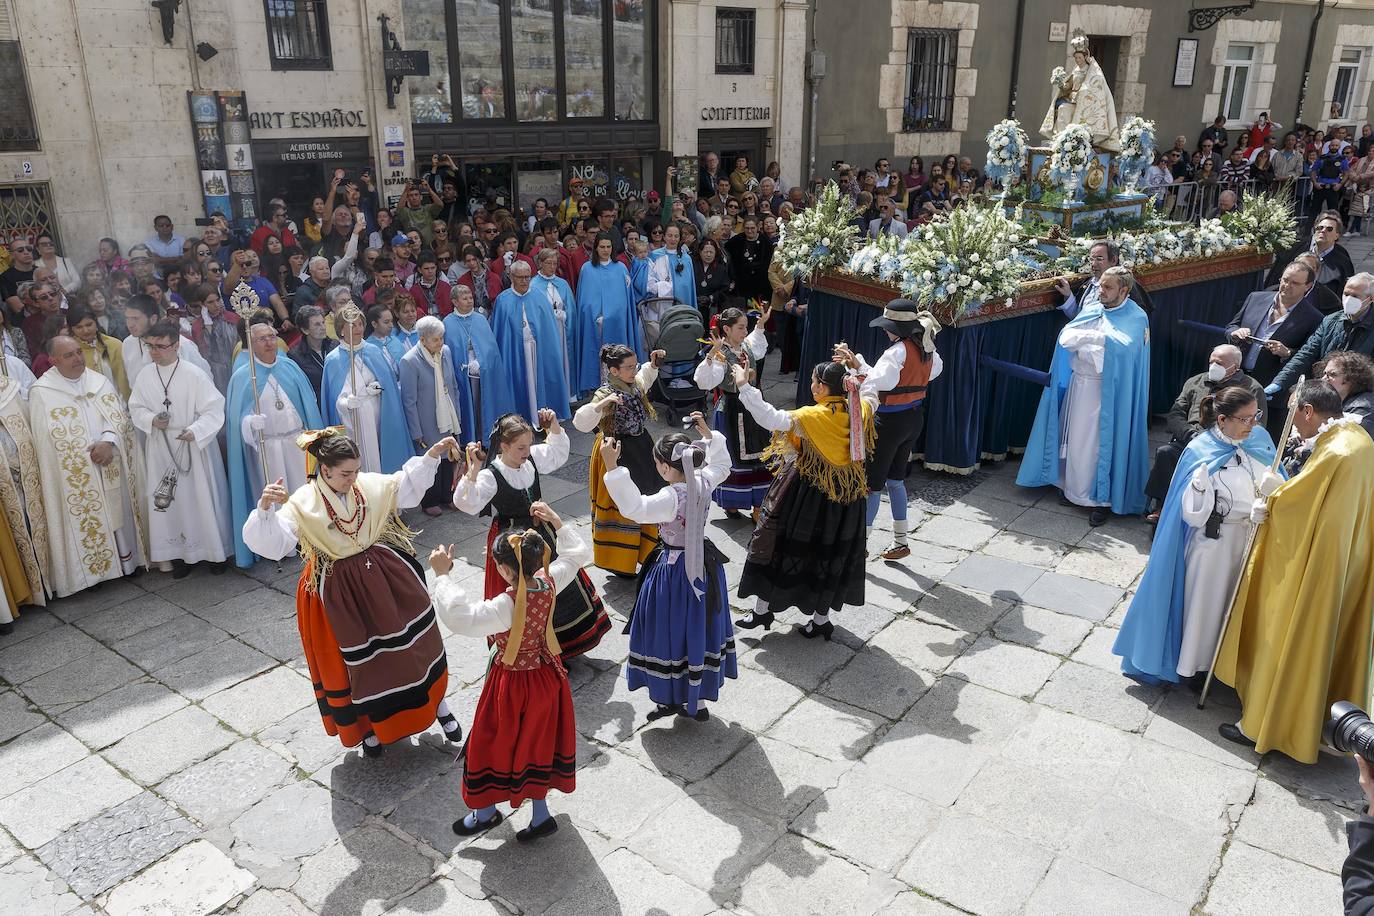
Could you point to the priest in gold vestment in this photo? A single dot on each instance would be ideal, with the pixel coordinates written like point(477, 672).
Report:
point(1302, 632)
point(24, 532)
point(88, 462)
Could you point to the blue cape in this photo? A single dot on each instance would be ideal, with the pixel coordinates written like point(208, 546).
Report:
point(1123, 458)
point(639, 277)
point(239, 403)
point(603, 291)
point(541, 284)
point(399, 342)
point(550, 384)
point(497, 399)
point(1152, 632)
point(685, 283)
point(393, 438)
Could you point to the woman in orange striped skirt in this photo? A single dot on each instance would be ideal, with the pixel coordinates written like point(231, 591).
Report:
point(620, 409)
point(374, 650)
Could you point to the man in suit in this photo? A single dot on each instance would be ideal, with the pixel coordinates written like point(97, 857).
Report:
point(1223, 371)
point(1080, 295)
point(429, 393)
point(887, 224)
point(1271, 325)
point(1352, 329)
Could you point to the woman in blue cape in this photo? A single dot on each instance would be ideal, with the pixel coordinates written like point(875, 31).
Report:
point(671, 273)
point(484, 396)
point(606, 314)
point(377, 421)
point(1090, 436)
point(1173, 624)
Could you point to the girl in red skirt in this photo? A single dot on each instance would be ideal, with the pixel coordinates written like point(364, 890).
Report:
point(504, 487)
point(523, 740)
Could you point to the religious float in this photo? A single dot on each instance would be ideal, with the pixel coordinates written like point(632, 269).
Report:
point(987, 270)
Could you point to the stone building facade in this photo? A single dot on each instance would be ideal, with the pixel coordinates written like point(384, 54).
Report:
point(984, 69)
point(98, 137)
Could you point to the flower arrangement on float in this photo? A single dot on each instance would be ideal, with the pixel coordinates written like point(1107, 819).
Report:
point(820, 237)
point(1070, 151)
point(1137, 142)
point(1266, 221)
point(1007, 148)
point(974, 254)
point(1157, 244)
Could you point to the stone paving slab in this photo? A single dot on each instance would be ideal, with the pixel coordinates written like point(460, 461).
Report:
point(964, 744)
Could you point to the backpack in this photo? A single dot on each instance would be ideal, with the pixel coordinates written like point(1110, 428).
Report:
point(680, 332)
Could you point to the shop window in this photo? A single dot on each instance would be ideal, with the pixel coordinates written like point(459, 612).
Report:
point(539, 178)
point(479, 58)
point(1235, 82)
point(734, 40)
point(488, 180)
point(26, 210)
point(298, 34)
point(931, 55)
point(1347, 75)
point(431, 98)
point(583, 53)
point(535, 62)
point(593, 178)
point(633, 52)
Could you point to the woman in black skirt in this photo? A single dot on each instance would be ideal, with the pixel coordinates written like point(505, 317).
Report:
point(809, 550)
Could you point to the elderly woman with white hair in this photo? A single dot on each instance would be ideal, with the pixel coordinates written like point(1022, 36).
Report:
point(429, 393)
point(316, 282)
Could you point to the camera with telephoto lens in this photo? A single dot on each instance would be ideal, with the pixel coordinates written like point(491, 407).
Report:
point(1349, 730)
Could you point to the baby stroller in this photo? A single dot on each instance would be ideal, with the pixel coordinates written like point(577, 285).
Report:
point(679, 335)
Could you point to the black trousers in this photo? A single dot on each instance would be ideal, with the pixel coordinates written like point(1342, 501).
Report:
point(1166, 459)
point(897, 432)
point(441, 493)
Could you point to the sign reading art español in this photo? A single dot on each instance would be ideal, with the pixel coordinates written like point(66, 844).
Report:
point(306, 120)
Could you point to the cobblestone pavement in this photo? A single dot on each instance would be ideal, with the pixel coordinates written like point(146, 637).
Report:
point(965, 744)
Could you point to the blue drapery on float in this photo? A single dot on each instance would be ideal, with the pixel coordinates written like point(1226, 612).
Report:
point(976, 413)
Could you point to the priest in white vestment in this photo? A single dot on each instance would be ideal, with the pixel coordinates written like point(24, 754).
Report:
point(86, 454)
point(21, 497)
point(140, 314)
point(178, 409)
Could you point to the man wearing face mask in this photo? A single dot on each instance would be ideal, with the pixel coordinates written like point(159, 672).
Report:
point(1352, 328)
point(1184, 420)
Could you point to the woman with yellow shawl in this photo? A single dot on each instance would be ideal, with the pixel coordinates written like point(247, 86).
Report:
point(371, 641)
point(809, 550)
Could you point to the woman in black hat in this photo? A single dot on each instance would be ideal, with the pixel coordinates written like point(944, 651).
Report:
point(900, 376)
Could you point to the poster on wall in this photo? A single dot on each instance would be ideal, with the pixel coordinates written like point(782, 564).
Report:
point(210, 159)
point(687, 175)
point(238, 155)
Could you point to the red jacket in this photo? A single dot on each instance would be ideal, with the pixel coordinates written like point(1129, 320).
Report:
point(260, 235)
point(442, 296)
point(493, 284)
point(370, 298)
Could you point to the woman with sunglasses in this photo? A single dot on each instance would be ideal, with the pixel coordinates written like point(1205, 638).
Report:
point(1173, 623)
point(62, 268)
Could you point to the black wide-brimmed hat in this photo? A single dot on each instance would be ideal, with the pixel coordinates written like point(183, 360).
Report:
point(901, 316)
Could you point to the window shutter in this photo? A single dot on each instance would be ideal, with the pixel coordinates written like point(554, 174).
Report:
point(7, 30)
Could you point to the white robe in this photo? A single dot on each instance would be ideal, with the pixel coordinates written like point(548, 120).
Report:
point(283, 425)
point(560, 317)
point(196, 526)
point(1081, 435)
point(361, 412)
point(1212, 566)
point(94, 526)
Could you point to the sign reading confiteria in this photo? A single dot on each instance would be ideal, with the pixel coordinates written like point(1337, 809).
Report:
point(306, 120)
point(743, 113)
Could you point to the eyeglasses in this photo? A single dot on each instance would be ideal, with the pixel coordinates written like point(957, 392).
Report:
point(214, 270)
point(1250, 420)
point(17, 249)
point(44, 297)
point(161, 348)
point(1333, 373)
point(1326, 228)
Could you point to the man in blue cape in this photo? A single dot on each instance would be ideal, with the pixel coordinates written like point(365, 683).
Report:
point(1090, 436)
point(606, 314)
point(357, 374)
point(534, 358)
point(1152, 633)
point(484, 393)
point(549, 285)
point(288, 406)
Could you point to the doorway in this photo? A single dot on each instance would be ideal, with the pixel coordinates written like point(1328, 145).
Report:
point(752, 143)
point(1106, 50)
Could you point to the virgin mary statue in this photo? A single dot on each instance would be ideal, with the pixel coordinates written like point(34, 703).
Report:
point(1083, 97)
